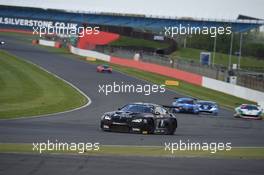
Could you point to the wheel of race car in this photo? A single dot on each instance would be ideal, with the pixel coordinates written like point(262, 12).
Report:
point(171, 130)
point(101, 126)
point(172, 127)
point(236, 116)
point(196, 112)
point(151, 127)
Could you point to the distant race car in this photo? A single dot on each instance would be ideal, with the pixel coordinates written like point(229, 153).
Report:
point(145, 118)
point(104, 68)
point(2, 43)
point(208, 107)
point(248, 111)
point(185, 105)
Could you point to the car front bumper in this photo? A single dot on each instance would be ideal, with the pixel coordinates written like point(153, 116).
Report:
point(126, 127)
point(253, 117)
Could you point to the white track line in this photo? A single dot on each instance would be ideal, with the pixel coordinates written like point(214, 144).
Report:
point(136, 146)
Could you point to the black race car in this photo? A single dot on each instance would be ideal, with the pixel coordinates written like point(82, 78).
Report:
point(145, 118)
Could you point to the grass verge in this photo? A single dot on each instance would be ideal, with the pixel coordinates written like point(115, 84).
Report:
point(145, 151)
point(20, 36)
point(26, 90)
point(136, 42)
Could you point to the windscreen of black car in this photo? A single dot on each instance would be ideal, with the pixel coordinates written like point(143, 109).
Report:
point(137, 108)
point(249, 107)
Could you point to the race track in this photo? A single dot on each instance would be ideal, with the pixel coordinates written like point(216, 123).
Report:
point(94, 165)
point(83, 125)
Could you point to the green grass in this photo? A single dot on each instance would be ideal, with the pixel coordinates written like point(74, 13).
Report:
point(20, 36)
point(26, 90)
point(135, 42)
point(146, 151)
point(220, 58)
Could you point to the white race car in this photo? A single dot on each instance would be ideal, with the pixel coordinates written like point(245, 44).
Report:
point(248, 111)
point(2, 43)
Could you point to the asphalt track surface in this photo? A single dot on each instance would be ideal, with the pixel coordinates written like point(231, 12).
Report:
point(15, 164)
point(83, 125)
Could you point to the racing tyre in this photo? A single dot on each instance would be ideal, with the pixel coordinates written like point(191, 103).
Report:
point(172, 127)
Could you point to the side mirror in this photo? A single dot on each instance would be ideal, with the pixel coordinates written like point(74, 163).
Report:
point(118, 109)
point(157, 113)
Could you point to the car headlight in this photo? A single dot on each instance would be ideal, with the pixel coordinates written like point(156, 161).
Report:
point(214, 108)
point(106, 117)
point(137, 120)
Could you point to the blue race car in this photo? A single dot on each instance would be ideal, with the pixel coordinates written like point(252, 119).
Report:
point(185, 105)
point(208, 107)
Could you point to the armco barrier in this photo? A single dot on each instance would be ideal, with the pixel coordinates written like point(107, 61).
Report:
point(89, 53)
point(234, 90)
point(47, 43)
point(162, 70)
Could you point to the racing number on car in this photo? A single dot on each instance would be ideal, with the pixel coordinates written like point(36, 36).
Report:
point(161, 124)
